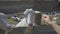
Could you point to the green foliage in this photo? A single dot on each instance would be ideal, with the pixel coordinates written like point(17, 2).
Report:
point(12, 21)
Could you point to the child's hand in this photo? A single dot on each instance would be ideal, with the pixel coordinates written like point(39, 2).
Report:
point(47, 19)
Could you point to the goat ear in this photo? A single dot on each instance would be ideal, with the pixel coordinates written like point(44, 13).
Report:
point(37, 12)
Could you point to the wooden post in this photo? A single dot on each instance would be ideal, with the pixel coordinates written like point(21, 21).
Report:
point(29, 30)
point(6, 32)
point(38, 18)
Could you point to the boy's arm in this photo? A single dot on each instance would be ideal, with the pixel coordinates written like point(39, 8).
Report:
point(52, 23)
point(55, 26)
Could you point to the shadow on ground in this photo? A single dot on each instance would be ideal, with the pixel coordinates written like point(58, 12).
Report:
point(35, 30)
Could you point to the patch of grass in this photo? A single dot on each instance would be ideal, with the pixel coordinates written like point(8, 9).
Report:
point(12, 21)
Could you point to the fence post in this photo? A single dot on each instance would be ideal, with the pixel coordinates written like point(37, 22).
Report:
point(6, 32)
